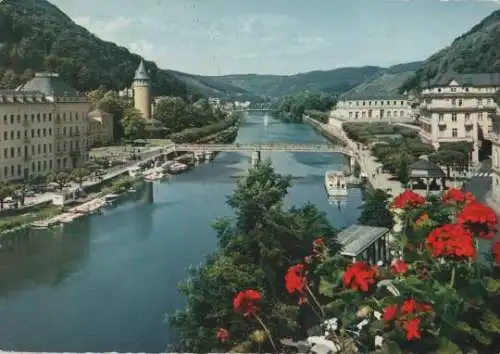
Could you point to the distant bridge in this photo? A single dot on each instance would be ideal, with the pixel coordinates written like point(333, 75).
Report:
point(320, 148)
point(253, 110)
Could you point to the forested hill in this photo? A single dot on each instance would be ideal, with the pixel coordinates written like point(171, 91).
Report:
point(36, 36)
point(477, 51)
point(336, 81)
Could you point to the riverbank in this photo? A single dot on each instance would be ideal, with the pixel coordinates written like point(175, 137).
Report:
point(369, 165)
point(47, 211)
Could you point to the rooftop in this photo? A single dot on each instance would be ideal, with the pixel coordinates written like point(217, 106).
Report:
point(50, 84)
point(425, 168)
point(484, 80)
point(357, 238)
point(141, 73)
point(380, 96)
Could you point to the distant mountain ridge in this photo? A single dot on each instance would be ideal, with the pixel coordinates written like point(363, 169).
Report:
point(336, 81)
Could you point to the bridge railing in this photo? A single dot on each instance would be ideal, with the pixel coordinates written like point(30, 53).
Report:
point(264, 147)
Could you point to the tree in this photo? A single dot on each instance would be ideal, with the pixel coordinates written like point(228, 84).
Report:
point(96, 95)
point(171, 112)
point(403, 171)
point(113, 104)
point(6, 190)
point(253, 253)
point(449, 158)
point(79, 175)
point(374, 211)
point(133, 124)
point(61, 178)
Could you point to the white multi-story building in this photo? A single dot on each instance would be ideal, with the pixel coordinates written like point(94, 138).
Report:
point(44, 127)
point(358, 108)
point(215, 102)
point(458, 107)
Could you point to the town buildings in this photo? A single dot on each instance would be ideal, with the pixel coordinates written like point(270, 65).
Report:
point(457, 108)
point(373, 108)
point(45, 127)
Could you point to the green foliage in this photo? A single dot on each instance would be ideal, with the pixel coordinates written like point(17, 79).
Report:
point(254, 253)
point(291, 108)
point(61, 178)
point(37, 36)
point(178, 115)
point(473, 52)
point(195, 134)
point(133, 124)
point(79, 175)
point(374, 211)
point(113, 104)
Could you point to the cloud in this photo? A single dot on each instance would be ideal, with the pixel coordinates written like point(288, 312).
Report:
point(107, 30)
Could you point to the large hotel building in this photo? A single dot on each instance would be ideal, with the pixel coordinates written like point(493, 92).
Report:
point(45, 126)
point(457, 108)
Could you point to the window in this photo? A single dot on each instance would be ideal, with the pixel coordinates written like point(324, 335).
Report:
point(453, 89)
point(453, 102)
point(454, 132)
point(453, 117)
point(441, 116)
point(467, 116)
point(460, 102)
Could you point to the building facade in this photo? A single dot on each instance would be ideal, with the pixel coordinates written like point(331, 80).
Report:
point(142, 91)
point(44, 127)
point(101, 128)
point(458, 107)
point(373, 109)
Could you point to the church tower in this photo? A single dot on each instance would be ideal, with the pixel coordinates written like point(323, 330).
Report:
point(142, 93)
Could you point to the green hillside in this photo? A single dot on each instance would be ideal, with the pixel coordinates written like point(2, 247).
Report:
point(336, 81)
point(477, 51)
point(36, 36)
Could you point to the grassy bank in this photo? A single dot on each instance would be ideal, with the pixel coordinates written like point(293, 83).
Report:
point(194, 135)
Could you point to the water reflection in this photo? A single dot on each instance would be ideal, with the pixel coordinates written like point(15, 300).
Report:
point(43, 256)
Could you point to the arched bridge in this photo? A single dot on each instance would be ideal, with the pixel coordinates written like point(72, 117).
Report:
point(321, 148)
point(252, 109)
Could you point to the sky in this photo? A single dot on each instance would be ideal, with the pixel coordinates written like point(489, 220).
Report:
point(219, 37)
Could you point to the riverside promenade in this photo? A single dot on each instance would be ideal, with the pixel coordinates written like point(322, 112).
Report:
point(368, 163)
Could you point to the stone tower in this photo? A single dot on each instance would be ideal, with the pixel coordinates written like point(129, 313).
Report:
point(142, 93)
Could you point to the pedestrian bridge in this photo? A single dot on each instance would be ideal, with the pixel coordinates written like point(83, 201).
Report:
point(321, 148)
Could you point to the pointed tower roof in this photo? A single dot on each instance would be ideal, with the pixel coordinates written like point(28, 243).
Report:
point(141, 73)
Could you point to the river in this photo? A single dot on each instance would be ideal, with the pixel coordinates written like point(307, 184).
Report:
point(104, 283)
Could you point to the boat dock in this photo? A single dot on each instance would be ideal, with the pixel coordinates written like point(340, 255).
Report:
point(72, 214)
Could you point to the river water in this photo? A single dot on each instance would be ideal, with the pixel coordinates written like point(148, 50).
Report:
point(104, 283)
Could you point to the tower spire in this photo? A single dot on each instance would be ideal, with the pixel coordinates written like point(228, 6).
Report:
point(141, 73)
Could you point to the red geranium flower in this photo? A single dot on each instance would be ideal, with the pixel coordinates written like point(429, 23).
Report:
point(407, 199)
point(390, 313)
point(457, 196)
point(295, 279)
point(359, 276)
point(412, 328)
point(318, 246)
point(222, 335)
point(480, 219)
point(451, 240)
point(399, 266)
point(411, 306)
point(495, 250)
point(244, 302)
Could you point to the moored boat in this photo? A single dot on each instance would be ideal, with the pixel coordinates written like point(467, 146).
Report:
point(336, 183)
point(177, 167)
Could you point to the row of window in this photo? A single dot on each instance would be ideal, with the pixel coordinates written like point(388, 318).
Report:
point(459, 102)
point(40, 117)
point(375, 103)
point(369, 114)
point(10, 153)
point(467, 116)
point(44, 132)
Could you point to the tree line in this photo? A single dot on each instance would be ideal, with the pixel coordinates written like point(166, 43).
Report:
point(292, 108)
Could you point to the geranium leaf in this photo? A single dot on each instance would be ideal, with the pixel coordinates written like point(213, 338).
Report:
point(448, 347)
point(325, 287)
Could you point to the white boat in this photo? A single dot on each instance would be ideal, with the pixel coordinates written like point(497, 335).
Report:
point(154, 176)
point(165, 167)
point(177, 167)
point(135, 172)
point(336, 183)
point(110, 197)
point(199, 156)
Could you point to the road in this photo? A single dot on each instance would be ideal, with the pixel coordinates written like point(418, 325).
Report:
point(480, 183)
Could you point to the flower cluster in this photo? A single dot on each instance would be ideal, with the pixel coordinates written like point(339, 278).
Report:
point(451, 240)
point(245, 302)
point(480, 219)
point(454, 196)
point(295, 281)
point(408, 199)
point(407, 317)
point(359, 276)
